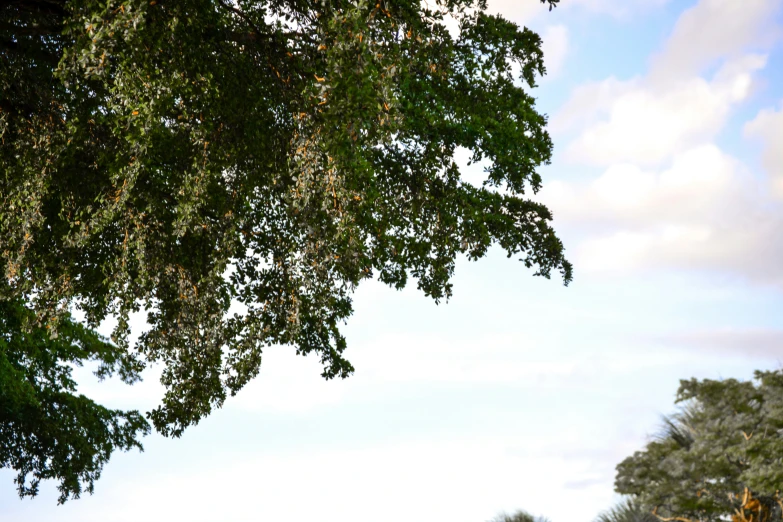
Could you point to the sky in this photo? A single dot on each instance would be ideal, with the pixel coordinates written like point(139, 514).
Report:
point(520, 393)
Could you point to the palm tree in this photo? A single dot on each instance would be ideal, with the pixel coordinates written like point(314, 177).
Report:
point(519, 516)
point(679, 426)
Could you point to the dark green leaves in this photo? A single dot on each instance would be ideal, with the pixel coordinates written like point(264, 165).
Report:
point(47, 431)
point(186, 157)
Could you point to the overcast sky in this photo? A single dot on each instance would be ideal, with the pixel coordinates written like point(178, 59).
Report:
point(667, 188)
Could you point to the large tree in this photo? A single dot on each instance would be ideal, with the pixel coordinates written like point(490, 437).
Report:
point(720, 457)
point(184, 157)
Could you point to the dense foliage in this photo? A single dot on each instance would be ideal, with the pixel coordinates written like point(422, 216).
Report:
point(47, 431)
point(721, 456)
point(235, 168)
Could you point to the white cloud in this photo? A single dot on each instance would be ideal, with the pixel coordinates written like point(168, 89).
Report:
point(647, 123)
point(290, 383)
point(614, 8)
point(649, 118)
point(712, 30)
point(694, 185)
point(589, 101)
point(463, 480)
point(114, 393)
point(494, 359)
point(669, 198)
point(519, 12)
point(555, 48)
point(767, 127)
point(703, 212)
point(732, 342)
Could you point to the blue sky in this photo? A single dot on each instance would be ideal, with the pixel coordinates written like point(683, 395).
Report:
point(519, 393)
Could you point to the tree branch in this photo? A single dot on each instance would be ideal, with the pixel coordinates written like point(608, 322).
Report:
point(240, 14)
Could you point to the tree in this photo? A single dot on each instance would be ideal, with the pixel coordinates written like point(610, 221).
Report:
point(46, 430)
point(629, 510)
point(720, 456)
point(183, 157)
point(519, 516)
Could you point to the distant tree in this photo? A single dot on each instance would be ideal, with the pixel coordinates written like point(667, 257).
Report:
point(519, 516)
point(720, 457)
point(185, 157)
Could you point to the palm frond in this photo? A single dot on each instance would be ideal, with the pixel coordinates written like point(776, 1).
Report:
point(629, 510)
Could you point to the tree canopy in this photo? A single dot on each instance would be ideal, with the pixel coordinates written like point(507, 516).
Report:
point(235, 168)
point(721, 456)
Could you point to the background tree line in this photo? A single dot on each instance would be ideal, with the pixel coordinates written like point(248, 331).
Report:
point(720, 458)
